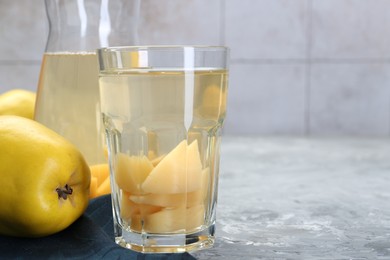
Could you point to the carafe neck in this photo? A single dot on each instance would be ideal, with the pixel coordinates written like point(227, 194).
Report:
point(85, 25)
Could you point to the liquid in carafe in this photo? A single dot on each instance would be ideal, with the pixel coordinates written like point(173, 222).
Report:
point(68, 101)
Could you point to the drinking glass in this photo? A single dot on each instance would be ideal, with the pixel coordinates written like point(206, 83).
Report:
point(163, 108)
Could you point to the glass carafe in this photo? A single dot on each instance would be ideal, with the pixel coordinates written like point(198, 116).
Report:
point(68, 91)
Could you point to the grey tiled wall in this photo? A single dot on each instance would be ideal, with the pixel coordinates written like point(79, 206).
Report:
point(302, 67)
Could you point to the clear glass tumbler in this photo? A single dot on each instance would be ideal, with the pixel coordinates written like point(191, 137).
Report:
point(163, 108)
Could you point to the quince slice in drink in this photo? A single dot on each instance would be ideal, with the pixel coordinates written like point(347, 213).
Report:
point(131, 171)
point(170, 200)
point(178, 172)
point(189, 199)
point(173, 220)
point(129, 209)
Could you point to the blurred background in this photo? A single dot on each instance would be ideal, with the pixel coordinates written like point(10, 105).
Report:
point(298, 68)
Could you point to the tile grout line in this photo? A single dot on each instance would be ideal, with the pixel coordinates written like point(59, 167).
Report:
point(312, 61)
point(20, 62)
point(388, 117)
point(222, 22)
point(307, 84)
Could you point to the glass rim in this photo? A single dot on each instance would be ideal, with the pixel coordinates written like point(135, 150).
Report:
point(146, 57)
point(131, 48)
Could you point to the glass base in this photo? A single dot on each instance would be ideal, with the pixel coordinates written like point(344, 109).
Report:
point(167, 243)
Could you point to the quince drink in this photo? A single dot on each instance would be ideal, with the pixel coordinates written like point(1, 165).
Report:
point(163, 129)
point(68, 101)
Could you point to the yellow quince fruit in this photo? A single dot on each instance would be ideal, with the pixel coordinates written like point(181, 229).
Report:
point(45, 180)
point(18, 102)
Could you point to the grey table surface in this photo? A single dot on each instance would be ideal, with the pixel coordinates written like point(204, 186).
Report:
point(303, 198)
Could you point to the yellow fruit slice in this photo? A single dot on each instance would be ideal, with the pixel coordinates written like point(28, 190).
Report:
point(93, 187)
point(157, 160)
point(162, 200)
point(174, 220)
point(135, 222)
point(189, 199)
point(194, 165)
point(104, 188)
point(100, 183)
point(178, 172)
point(129, 209)
point(100, 172)
point(170, 200)
point(131, 171)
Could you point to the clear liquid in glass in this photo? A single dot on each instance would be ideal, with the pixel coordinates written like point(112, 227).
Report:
point(163, 132)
